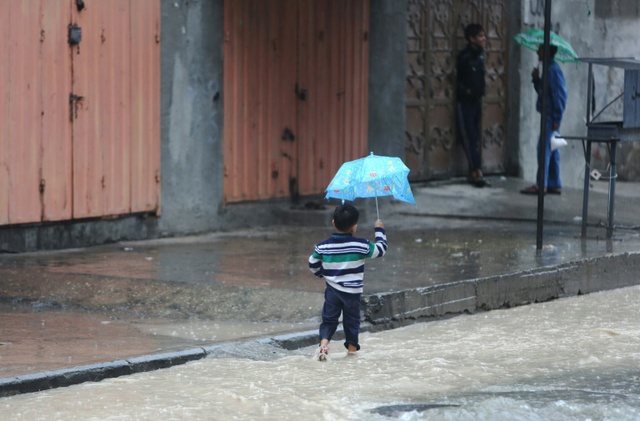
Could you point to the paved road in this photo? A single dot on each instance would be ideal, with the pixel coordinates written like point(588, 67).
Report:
point(136, 306)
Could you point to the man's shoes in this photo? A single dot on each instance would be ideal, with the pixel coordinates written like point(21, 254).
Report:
point(481, 182)
point(533, 189)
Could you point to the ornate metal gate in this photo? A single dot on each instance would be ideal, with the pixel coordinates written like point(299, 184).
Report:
point(435, 34)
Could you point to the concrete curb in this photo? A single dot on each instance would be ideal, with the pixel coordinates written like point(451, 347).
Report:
point(394, 309)
point(384, 311)
point(45, 380)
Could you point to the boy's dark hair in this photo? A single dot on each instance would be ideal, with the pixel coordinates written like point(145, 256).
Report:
point(472, 30)
point(345, 216)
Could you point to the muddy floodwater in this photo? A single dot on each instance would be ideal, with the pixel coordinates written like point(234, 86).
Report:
point(573, 358)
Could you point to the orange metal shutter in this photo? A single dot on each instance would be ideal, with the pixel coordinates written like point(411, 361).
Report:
point(25, 105)
point(101, 130)
point(333, 68)
point(56, 182)
point(259, 77)
point(295, 78)
point(81, 125)
point(5, 134)
point(145, 105)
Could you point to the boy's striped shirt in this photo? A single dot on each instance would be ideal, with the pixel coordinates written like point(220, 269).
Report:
point(340, 259)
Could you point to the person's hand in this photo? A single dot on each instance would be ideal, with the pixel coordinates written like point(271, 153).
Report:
point(378, 224)
point(535, 73)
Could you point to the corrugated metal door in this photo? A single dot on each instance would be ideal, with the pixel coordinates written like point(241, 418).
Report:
point(333, 77)
point(81, 136)
point(144, 95)
point(259, 103)
point(295, 77)
point(101, 124)
point(5, 43)
point(435, 35)
point(56, 183)
point(116, 125)
point(34, 137)
point(24, 83)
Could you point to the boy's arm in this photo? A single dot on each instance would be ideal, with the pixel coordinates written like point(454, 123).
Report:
point(315, 264)
point(380, 247)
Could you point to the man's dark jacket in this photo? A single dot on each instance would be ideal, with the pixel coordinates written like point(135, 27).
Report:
point(470, 69)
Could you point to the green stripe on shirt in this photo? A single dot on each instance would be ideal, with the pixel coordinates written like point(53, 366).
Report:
point(349, 257)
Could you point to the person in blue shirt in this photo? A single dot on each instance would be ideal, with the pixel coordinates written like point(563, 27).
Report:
point(556, 103)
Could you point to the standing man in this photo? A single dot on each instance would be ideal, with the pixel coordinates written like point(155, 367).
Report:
point(471, 87)
point(557, 101)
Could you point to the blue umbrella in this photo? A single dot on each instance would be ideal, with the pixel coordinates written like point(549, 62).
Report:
point(371, 176)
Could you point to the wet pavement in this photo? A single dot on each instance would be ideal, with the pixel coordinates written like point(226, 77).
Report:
point(128, 307)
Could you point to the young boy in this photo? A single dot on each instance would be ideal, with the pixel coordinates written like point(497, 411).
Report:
point(340, 261)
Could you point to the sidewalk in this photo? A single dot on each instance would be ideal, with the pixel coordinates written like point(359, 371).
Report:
point(80, 315)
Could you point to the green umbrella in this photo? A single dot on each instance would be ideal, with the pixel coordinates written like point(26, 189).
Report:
point(533, 38)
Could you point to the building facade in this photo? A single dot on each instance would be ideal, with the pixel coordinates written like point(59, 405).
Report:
point(176, 117)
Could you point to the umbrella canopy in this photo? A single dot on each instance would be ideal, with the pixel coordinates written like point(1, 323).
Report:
point(533, 38)
point(371, 176)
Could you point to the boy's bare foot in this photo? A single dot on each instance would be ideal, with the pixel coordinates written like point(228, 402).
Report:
point(323, 353)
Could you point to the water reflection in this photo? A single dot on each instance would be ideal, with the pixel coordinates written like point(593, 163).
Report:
point(277, 259)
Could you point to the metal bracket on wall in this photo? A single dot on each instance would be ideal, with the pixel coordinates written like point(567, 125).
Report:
point(300, 93)
point(73, 106)
point(288, 135)
point(75, 35)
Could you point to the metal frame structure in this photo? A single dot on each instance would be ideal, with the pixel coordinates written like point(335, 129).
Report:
point(611, 132)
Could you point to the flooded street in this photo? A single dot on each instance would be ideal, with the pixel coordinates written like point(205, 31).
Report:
point(574, 358)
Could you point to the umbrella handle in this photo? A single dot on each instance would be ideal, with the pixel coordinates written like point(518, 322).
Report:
point(377, 210)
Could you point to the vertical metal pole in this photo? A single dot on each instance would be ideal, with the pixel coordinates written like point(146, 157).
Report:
point(587, 157)
point(585, 189)
point(542, 152)
point(589, 93)
point(612, 185)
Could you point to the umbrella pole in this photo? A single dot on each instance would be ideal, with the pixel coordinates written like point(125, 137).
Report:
point(377, 210)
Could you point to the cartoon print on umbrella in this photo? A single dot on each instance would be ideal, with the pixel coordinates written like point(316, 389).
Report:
point(371, 176)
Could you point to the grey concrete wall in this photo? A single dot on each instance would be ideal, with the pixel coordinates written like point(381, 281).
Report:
point(387, 71)
point(595, 29)
point(192, 106)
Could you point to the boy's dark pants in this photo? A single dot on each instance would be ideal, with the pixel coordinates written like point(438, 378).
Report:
point(336, 302)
